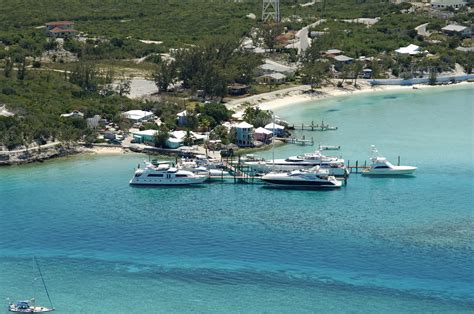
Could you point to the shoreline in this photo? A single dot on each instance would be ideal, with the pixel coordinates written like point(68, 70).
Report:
point(301, 94)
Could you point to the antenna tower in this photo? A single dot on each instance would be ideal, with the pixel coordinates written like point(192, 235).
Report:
point(271, 11)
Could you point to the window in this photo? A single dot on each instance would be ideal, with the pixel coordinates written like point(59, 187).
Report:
point(155, 175)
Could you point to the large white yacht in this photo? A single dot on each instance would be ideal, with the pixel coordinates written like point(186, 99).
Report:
point(334, 165)
point(315, 178)
point(381, 166)
point(165, 174)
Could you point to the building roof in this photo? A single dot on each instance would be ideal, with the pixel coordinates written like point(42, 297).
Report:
point(263, 131)
point(410, 49)
point(59, 23)
point(145, 132)
point(137, 114)
point(275, 67)
point(465, 49)
point(74, 113)
point(272, 126)
point(182, 113)
point(454, 28)
point(62, 30)
point(244, 125)
point(276, 76)
point(333, 51)
point(448, 2)
point(343, 58)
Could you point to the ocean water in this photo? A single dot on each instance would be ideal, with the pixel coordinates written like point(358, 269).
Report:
point(378, 245)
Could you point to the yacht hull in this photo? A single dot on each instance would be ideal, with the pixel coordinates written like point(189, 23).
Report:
point(390, 172)
point(168, 182)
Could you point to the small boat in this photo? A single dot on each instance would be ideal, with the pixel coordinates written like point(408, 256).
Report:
point(313, 178)
point(165, 174)
point(381, 166)
point(329, 147)
point(29, 306)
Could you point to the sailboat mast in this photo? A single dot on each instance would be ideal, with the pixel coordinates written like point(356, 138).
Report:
point(42, 279)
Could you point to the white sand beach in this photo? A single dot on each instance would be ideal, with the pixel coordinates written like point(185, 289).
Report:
point(301, 94)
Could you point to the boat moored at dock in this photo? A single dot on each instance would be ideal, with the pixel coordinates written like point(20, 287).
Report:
point(165, 174)
point(334, 165)
point(382, 167)
point(312, 178)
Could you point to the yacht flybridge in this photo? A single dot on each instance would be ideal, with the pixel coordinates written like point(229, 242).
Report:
point(334, 165)
point(381, 166)
point(165, 174)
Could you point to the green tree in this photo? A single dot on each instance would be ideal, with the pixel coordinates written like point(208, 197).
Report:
point(161, 136)
point(8, 68)
point(21, 73)
point(270, 33)
point(433, 78)
point(357, 67)
point(165, 75)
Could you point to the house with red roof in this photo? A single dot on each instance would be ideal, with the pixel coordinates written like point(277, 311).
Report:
point(60, 29)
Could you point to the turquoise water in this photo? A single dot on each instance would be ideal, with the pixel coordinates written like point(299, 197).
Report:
point(376, 246)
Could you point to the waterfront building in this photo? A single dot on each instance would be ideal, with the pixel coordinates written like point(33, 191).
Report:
point(244, 134)
point(276, 129)
point(410, 50)
point(263, 135)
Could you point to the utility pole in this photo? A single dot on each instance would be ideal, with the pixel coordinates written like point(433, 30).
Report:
point(271, 11)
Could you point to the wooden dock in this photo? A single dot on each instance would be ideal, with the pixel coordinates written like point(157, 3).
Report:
point(313, 127)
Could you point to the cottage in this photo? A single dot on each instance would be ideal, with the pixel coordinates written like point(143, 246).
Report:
point(138, 115)
point(342, 59)
point(93, 122)
point(244, 134)
point(454, 29)
point(272, 78)
point(263, 135)
point(277, 130)
point(445, 4)
point(238, 89)
point(60, 29)
point(271, 67)
point(145, 136)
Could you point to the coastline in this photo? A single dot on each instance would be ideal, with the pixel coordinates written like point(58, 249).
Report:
point(301, 94)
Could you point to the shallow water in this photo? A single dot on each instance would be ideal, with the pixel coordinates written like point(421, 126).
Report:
point(377, 245)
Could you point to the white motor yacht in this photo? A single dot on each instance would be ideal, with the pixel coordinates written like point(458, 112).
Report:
point(334, 165)
point(165, 174)
point(315, 178)
point(381, 166)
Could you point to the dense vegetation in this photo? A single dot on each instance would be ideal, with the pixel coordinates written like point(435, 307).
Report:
point(205, 38)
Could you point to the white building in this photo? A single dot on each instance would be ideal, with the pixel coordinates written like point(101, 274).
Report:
point(461, 30)
point(244, 132)
point(278, 130)
point(410, 50)
point(138, 115)
point(444, 4)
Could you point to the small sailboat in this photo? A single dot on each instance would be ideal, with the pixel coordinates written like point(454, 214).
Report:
point(29, 306)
